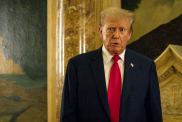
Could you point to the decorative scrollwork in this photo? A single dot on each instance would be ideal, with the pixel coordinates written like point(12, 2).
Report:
point(171, 99)
point(170, 71)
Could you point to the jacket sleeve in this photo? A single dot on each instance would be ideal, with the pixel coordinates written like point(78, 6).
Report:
point(153, 101)
point(69, 96)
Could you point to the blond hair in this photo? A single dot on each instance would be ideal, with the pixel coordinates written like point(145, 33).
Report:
point(115, 14)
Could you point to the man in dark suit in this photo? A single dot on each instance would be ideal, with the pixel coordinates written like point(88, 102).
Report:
point(87, 95)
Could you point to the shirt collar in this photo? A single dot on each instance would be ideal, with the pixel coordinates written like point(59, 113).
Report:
point(107, 56)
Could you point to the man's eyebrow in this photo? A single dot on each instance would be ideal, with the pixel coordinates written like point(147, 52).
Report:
point(111, 27)
point(123, 27)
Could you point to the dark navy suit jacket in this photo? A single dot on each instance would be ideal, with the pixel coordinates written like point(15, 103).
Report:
point(85, 99)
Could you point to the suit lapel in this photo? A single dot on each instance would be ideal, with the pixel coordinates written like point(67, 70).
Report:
point(97, 67)
point(127, 81)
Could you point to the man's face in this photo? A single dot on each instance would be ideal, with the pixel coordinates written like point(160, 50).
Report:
point(115, 35)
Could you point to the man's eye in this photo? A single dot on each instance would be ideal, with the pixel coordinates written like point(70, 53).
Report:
point(122, 29)
point(110, 29)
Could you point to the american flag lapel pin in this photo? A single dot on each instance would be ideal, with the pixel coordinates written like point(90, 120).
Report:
point(132, 65)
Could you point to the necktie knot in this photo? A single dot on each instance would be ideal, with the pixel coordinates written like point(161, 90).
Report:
point(115, 58)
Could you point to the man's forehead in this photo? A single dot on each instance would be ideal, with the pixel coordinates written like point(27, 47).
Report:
point(117, 23)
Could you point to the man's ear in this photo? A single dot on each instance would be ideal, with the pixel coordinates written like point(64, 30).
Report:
point(129, 34)
point(100, 32)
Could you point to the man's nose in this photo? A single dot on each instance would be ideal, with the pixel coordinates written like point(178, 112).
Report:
point(117, 33)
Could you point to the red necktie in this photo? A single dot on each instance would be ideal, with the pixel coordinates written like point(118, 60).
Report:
point(114, 90)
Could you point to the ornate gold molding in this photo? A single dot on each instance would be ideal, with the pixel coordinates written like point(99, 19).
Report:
point(51, 57)
point(169, 70)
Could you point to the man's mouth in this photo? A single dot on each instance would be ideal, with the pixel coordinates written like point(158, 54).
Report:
point(115, 43)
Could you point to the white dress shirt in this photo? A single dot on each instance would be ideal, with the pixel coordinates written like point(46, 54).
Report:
point(108, 61)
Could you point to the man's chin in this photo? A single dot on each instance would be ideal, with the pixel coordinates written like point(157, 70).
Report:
point(116, 52)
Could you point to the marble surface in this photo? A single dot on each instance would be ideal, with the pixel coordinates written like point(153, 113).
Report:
point(76, 35)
